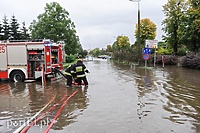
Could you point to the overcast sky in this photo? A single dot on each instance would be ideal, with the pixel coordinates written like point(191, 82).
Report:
point(98, 22)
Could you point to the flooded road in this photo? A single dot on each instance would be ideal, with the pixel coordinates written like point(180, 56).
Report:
point(119, 99)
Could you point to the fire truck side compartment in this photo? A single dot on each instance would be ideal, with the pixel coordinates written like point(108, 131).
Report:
point(17, 55)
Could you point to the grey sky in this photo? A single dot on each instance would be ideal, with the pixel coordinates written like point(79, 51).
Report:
point(98, 22)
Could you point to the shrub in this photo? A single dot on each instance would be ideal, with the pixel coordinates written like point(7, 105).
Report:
point(168, 59)
point(182, 51)
point(164, 51)
point(191, 60)
point(70, 58)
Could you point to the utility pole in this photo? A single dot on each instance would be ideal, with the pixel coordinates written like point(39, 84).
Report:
point(139, 41)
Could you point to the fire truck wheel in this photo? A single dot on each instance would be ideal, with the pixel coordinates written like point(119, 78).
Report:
point(18, 76)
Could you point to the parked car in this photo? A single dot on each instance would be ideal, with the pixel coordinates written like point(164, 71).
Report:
point(103, 56)
point(89, 58)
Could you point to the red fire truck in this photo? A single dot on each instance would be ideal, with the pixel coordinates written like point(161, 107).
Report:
point(21, 60)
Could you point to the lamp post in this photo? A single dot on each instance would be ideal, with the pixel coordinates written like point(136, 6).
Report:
point(139, 53)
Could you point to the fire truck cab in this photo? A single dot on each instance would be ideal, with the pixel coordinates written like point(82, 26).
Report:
point(21, 60)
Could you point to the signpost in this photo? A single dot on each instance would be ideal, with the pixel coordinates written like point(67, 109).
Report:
point(152, 44)
point(146, 54)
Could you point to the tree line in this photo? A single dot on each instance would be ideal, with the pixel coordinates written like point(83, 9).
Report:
point(181, 27)
point(11, 29)
point(54, 24)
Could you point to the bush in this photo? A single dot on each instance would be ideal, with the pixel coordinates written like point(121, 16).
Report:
point(182, 51)
point(168, 59)
point(70, 58)
point(192, 60)
point(164, 51)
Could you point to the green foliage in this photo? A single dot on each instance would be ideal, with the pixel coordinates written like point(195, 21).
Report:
point(163, 44)
point(147, 30)
point(109, 48)
point(11, 30)
point(24, 32)
point(191, 26)
point(182, 24)
point(56, 25)
point(70, 58)
point(14, 28)
point(182, 51)
point(164, 51)
point(83, 54)
point(123, 51)
point(121, 43)
point(125, 56)
point(5, 29)
point(173, 11)
point(95, 52)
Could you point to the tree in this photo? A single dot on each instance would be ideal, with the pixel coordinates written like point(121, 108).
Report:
point(56, 25)
point(147, 30)
point(5, 29)
point(24, 32)
point(96, 52)
point(73, 45)
point(14, 29)
point(174, 11)
point(122, 43)
point(191, 26)
point(1, 34)
point(109, 48)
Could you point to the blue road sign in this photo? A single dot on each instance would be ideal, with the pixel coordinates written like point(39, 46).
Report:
point(146, 50)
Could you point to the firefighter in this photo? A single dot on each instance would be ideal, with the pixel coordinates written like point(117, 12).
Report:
point(72, 71)
point(69, 72)
point(80, 70)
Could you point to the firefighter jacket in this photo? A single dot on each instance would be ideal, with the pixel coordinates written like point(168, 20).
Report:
point(72, 70)
point(80, 70)
point(68, 71)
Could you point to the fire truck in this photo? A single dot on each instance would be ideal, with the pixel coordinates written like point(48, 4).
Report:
point(22, 60)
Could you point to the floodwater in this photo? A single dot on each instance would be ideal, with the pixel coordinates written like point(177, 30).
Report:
point(119, 99)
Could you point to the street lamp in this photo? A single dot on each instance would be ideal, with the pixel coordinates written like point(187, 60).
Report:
point(139, 53)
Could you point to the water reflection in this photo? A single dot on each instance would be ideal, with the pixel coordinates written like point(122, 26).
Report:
point(21, 101)
point(173, 88)
point(125, 100)
point(74, 108)
point(182, 93)
point(145, 90)
point(142, 79)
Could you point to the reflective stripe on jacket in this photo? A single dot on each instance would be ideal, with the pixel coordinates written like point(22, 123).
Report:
point(80, 70)
point(68, 71)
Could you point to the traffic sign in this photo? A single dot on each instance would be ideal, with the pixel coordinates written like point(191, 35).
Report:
point(146, 56)
point(146, 51)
